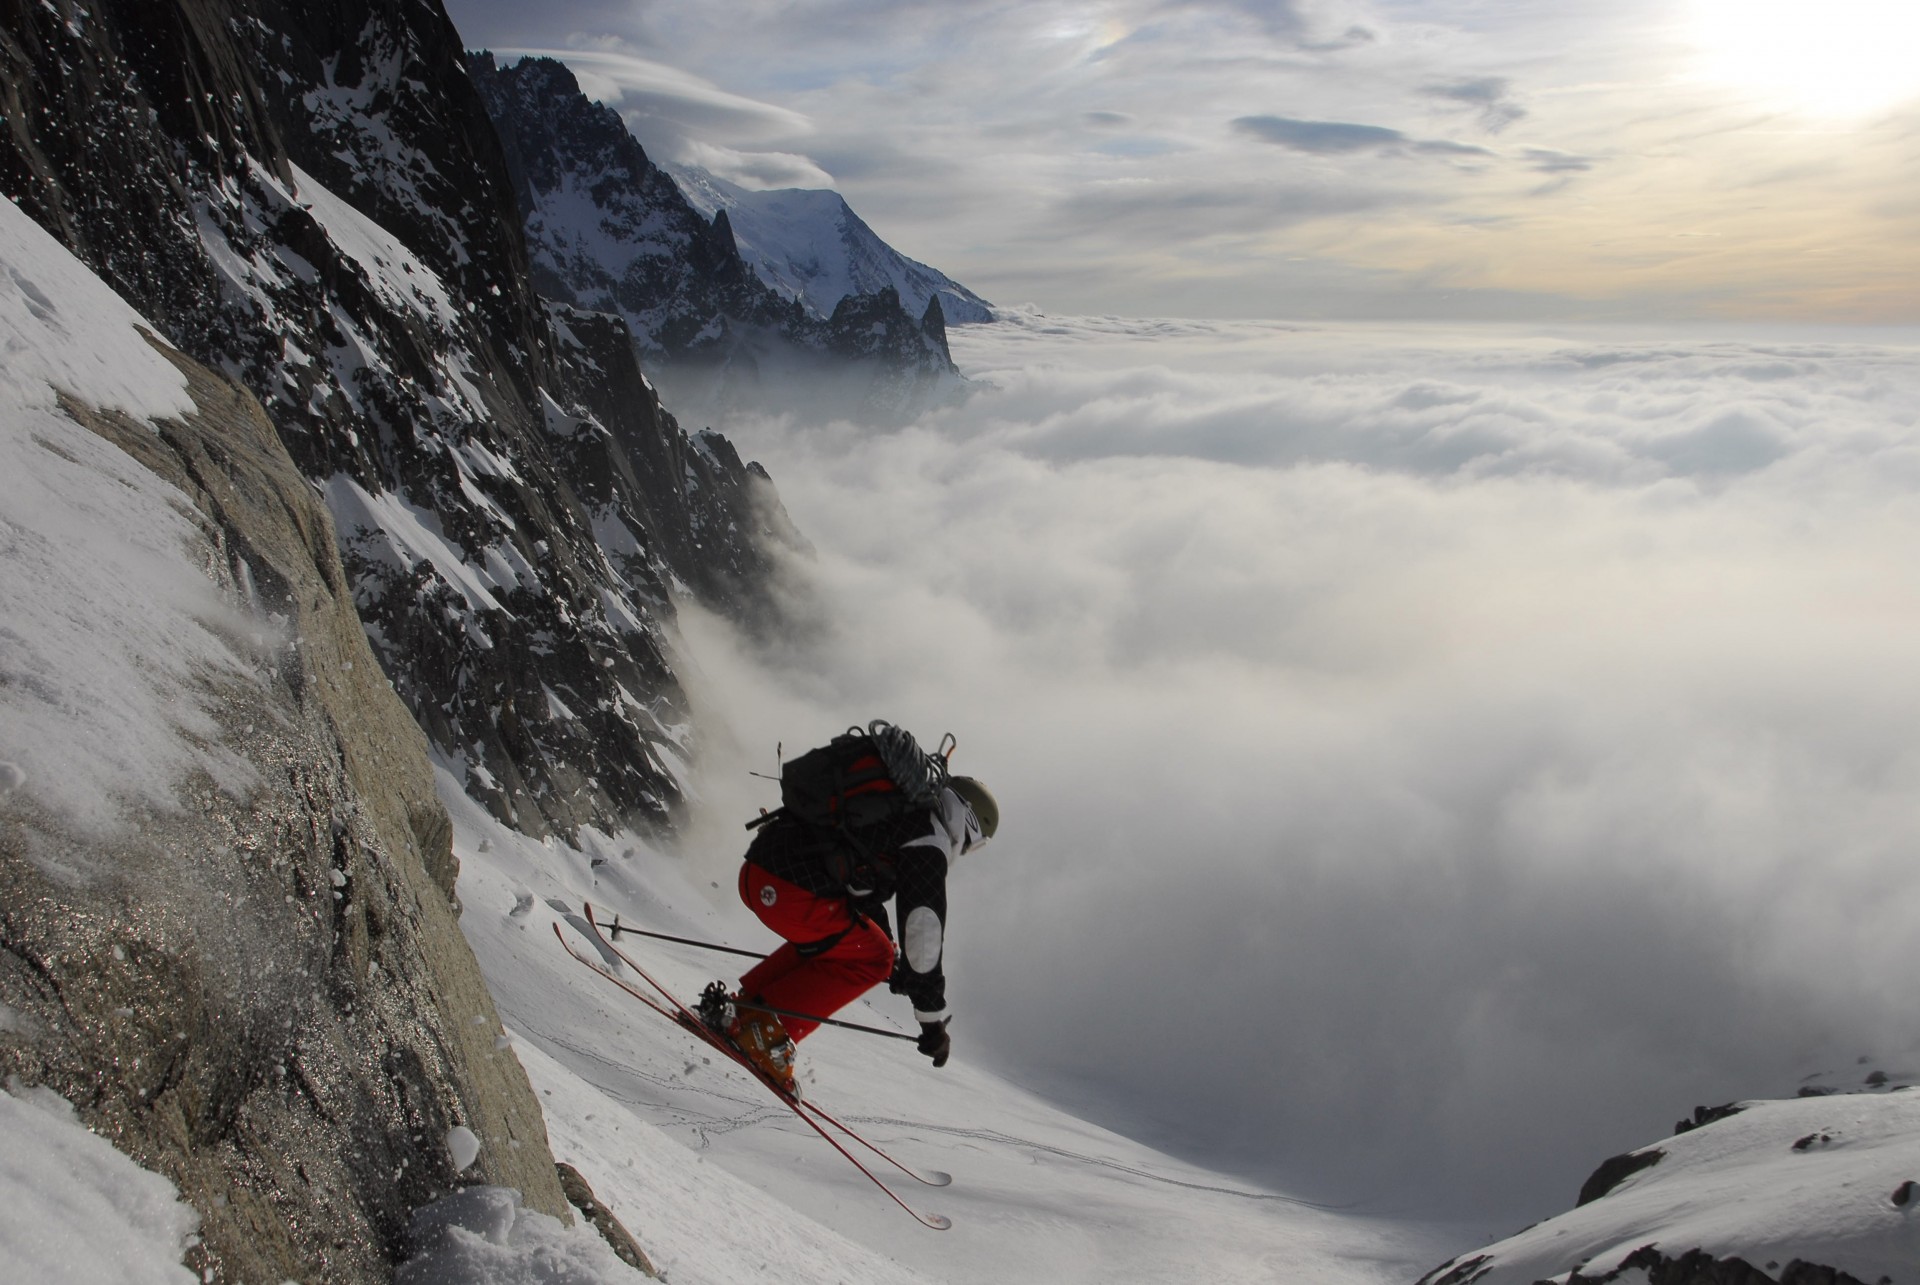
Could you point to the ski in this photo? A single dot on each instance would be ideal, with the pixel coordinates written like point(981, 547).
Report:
point(687, 1017)
point(669, 1006)
point(692, 1022)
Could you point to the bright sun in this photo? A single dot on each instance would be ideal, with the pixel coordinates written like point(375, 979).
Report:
point(1833, 57)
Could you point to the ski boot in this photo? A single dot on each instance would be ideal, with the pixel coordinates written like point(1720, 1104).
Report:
point(756, 1033)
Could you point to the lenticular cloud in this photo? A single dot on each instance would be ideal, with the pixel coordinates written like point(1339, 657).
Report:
point(1430, 764)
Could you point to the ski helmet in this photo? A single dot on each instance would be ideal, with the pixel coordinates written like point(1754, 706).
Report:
point(977, 797)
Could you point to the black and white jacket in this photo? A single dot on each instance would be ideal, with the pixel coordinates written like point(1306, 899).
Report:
point(909, 868)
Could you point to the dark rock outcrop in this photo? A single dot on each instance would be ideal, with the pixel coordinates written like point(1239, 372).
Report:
point(264, 994)
point(1703, 1116)
point(1697, 1267)
point(1615, 1170)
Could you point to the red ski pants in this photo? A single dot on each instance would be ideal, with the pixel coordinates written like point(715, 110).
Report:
point(817, 984)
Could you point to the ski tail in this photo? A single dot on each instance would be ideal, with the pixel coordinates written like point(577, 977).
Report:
point(931, 1177)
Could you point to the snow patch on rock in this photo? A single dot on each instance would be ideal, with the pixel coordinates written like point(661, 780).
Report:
point(74, 1211)
point(114, 632)
point(62, 328)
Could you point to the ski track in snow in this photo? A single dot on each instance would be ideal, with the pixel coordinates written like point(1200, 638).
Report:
point(1031, 1144)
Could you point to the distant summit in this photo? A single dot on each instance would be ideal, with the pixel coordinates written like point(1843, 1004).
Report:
point(609, 230)
point(808, 244)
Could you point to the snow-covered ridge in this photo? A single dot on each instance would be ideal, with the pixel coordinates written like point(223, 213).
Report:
point(810, 245)
point(1831, 1181)
point(342, 238)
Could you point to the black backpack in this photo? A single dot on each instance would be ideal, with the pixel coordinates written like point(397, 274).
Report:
point(860, 784)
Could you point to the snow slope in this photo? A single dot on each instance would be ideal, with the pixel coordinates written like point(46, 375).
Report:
point(720, 1184)
point(75, 1211)
point(810, 245)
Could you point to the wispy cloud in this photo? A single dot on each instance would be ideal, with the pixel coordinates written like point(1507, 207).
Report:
point(1320, 137)
point(1177, 210)
point(1548, 161)
point(643, 84)
point(1336, 138)
point(1490, 96)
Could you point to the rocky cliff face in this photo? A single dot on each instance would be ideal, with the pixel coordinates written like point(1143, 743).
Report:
point(609, 229)
point(311, 198)
point(255, 986)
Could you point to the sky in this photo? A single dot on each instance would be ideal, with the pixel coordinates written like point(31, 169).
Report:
point(1359, 159)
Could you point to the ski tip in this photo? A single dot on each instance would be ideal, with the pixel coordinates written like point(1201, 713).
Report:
point(939, 1222)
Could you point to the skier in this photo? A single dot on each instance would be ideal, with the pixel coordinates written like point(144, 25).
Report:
point(826, 891)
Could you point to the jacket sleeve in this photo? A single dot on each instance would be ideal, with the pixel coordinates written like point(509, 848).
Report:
point(921, 900)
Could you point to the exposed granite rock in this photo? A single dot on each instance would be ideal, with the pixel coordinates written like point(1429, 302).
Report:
point(267, 998)
point(617, 1237)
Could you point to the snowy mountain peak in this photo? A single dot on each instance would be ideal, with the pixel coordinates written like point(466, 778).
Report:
point(808, 244)
point(608, 229)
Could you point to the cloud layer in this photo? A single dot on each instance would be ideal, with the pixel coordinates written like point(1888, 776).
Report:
point(1431, 763)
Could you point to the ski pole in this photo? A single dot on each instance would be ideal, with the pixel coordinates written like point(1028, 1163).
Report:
point(616, 928)
point(825, 1021)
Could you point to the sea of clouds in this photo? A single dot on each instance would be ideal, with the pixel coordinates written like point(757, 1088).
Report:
point(1431, 760)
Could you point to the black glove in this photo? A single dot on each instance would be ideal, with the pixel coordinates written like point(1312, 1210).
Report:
point(897, 982)
point(935, 1042)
